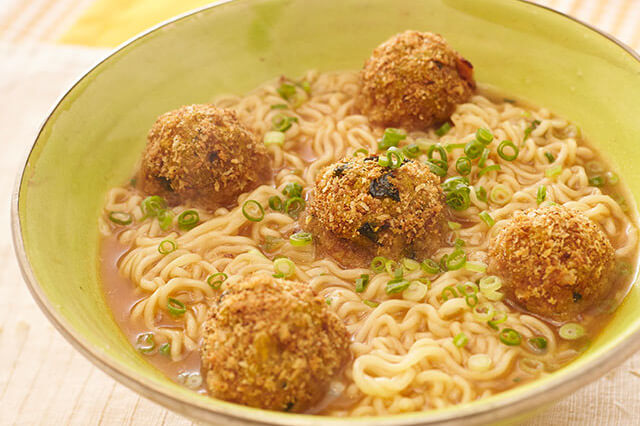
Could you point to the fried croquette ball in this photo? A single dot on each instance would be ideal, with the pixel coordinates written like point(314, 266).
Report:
point(272, 344)
point(202, 155)
point(359, 209)
point(414, 80)
point(554, 260)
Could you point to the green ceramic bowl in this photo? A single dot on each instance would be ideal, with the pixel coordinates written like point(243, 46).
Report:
point(94, 136)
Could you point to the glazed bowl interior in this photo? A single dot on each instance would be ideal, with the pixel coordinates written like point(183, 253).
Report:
point(94, 137)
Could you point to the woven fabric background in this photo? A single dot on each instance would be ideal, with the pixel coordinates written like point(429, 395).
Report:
point(44, 46)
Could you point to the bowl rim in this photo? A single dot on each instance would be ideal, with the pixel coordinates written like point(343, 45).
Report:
point(472, 413)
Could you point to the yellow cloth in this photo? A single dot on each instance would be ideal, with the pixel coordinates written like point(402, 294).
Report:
point(107, 23)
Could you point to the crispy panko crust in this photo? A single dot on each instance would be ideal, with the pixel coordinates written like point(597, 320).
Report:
point(555, 261)
point(202, 155)
point(359, 209)
point(414, 80)
point(272, 344)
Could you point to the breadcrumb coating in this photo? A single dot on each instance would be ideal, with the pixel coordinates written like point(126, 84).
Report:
point(555, 261)
point(202, 155)
point(272, 344)
point(359, 209)
point(414, 80)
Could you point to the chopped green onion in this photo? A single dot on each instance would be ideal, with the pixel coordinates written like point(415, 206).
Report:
point(451, 146)
point(479, 362)
point(550, 157)
point(165, 218)
point(448, 292)
point(612, 178)
point(493, 323)
point(190, 380)
point(571, 331)
point(454, 225)
point(276, 203)
point(530, 365)
point(500, 194)
point(456, 259)
point(328, 301)
point(294, 207)
point(392, 268)
point(411, 150)
point(460, 340)
point(145, 343)
point(410, 264)
point(457, 191)
point(510, 337)
point(596, 181)
point(484, 136)
point(538, 343)
point(305, 85)
point(279, 106)
point(463, 166)
point(188, 219)
point(362, 151)
point(153, 205)
point(292, 189)
point(486, 218)
point(283, 268)
point(415, 292)
point(471, 299)
point(215, 280)
point(391, 137)
point(437, 167)
point(430, 266)
point(527, 132)
point(286, 90)
point(361, 283)
point(490, 283)
point(505, 156)
point(482, 312)
point(459, 243)
point(175, 307)
point(121, 218)
point(165, 349)
point(300, 239)
point(553, 171)
point(282, 123)
point(542, 194)
point(491, 168)
point(393, 158)
point(166, 247)
point(253, 210)
point(371, 303)
point(378, 264)
point(475, 266)
point(473, 149)
point(467, 288)
point(483, 157)
point(396, 285)
point(442, 153)
point(444, 129)
point(481, 193)
point(273, 138)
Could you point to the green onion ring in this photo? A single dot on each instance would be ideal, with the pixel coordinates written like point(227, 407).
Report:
point(463, 166)
point(294, 207)
point(460, 340)
point(145, 343)
point(276, 203)
point(484, 136)
point(175, 307)
point(508, 144)
point(121, 218)
point(300, 239)
point(510, 337)
point(456, 259)
point(571, 331)
point(215, 280)
point(188, 219)
point(258, 211)
point(167, 246)
point(283, 268)
point(378, 263)
point(430, 266)
point(492, 168)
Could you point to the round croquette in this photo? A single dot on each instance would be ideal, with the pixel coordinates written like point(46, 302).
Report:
point(202, 155)
point(555, 261)
point(359, 209)
point(414, 80)
point(272, 344)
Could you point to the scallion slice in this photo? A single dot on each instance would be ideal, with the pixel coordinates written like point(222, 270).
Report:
point(391, 137)
point(396, 285)
point(273, 138)
point(416, 291)
point(410, 264)
point(153, 205)
point(294, 207)
point(481, 194)
point(473, 149)
point(475, 266)
point(505, 155)
point(361, 283)
point(371, 303)
point(253, 211)
point(437, 167)
point(378, 263)
point(553, 171)
point(165, 218)
point(542, 194)
point(500, 194)
point(510, 337)
point(444, 129)
point(463, 166)
point(411, 150)
point(292, 189)
point(188, 219)
point(538, 343)
point(460, 340)
point(550, 157)
point(145, 343)
point(486, 218)
point(282, 123)
point(484, 136)
point(215, 280)
point(571, 331)
point(165, 349)
point(276, 203)
point(483, 158)
point(454, 225)
point(527, 132)
point(491, 168)
point(448, 293)
point(596, 181)
point(283, 268)
point(175, 307)
point(301, 239)
point(167, 246)
point(456, 259)
point(361, 151)
point(430, 266)
point(120, 218)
